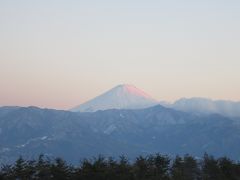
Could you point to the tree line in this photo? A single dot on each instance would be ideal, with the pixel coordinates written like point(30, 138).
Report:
point(152, 167)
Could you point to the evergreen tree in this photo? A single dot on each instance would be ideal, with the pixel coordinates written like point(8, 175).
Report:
point(86, 170)
point(42, 168)
point(210, 168)
point(141, 168)
point(124, 169)
point(162, 164)
point(177, 170)
point(227, 169)
point(191, 170)
point(60, 170)
point(6, 172)
point(20, 169)
point(185, 168)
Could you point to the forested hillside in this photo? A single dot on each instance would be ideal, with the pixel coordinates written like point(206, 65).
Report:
point(152, 167)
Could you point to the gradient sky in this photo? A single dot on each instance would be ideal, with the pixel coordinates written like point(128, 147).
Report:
point(60, 53)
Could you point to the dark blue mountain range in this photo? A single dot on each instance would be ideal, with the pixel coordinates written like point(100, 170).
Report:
point(32, 131)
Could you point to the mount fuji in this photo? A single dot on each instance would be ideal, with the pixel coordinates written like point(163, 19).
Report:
point(120, 97)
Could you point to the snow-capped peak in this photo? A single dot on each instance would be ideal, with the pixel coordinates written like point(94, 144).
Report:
point(135, 91)
point(123, 96)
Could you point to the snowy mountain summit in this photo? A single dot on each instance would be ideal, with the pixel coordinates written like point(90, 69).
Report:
point(120, 97)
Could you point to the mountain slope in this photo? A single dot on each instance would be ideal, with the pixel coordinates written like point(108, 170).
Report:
point(120, 97)
point(32, 131)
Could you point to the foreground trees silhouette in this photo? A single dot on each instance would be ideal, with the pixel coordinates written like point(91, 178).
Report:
point(153, 167)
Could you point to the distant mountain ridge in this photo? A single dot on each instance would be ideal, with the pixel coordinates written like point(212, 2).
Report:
point(32, 131)
point(124, 120)
point(127, 96)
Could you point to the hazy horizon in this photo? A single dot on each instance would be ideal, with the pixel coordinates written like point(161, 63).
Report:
point(58, 54)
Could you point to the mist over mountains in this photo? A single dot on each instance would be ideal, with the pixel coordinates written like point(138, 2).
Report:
point(131, 123)
point(207, 106)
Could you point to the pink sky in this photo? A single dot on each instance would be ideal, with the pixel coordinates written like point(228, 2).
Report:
point(59, 55)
